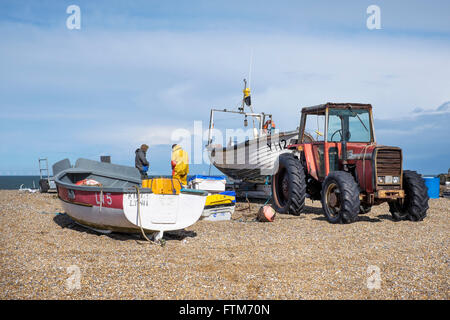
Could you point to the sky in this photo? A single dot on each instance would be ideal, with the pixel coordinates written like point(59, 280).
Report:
point(137, 71)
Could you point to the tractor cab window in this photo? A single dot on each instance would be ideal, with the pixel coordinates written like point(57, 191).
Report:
point(314, 128)
point(352, 125)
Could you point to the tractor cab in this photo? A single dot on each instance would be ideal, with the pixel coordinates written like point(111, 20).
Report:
point(330, 132)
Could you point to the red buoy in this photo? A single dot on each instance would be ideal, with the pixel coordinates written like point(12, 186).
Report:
point(266, 214)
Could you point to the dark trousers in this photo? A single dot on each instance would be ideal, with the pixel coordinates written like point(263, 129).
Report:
point(144, 175)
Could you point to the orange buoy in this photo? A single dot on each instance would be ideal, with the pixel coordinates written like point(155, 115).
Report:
point(88, 182)
point(266, 214)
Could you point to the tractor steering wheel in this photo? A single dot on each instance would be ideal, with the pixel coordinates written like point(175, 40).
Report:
point(337, 131)
point(340, 133)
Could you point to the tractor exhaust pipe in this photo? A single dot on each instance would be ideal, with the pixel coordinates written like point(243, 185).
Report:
point(344, 151)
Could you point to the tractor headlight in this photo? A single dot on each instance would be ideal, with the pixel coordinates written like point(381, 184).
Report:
point(380, 179)
point(396, 180)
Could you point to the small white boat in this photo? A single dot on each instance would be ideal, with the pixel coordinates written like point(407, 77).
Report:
point(119, 203)
point(28, 189)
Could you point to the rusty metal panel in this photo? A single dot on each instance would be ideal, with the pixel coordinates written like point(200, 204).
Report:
point(310, 162)
point(390, 194)
point(320, 109)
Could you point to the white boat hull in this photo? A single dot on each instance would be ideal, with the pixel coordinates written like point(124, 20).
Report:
point(251, 161)
point(119, 211)
point(164, 212)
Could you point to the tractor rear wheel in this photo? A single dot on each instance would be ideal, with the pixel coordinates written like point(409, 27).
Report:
point(340, 197)
point(415, 204)
point(289, 185)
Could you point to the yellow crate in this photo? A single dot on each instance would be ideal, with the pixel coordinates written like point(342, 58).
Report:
point(218, 199)
point(163, 185)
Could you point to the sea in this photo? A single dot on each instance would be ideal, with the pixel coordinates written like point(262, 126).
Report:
point(14, 182)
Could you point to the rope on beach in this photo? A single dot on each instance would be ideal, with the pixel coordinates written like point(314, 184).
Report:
point(267, 183)
point(268, 199)
point(139, 213)
point(139, 217)
point(55, 213)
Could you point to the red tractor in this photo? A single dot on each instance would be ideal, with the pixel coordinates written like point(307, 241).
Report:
point(336, 160)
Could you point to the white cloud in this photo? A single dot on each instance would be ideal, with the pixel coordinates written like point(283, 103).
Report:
point(129, 88)
point(168, 71)
point(125, 135)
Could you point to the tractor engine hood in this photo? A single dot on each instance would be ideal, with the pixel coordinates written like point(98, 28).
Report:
point(377, 167)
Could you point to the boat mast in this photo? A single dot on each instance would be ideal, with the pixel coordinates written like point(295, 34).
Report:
point(211, 125)
point(247, 101)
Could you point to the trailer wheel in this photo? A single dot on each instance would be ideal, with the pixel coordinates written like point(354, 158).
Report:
point(289, 185)
point(415, 204)
point(43, 186)
point(340, 197)
point(363, 208)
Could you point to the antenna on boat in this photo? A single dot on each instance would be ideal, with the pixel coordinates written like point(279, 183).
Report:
point(247, 99)
point(255, 130)
point(250, 70)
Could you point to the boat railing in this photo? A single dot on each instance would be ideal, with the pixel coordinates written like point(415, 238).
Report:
point(258, 132)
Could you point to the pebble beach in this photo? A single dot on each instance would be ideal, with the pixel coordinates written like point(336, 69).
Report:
point(45, 255)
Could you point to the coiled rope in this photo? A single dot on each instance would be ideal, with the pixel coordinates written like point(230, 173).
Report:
point(139, 216)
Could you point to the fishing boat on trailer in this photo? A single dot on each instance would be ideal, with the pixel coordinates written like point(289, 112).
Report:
point(109, 197)
point(254, 159)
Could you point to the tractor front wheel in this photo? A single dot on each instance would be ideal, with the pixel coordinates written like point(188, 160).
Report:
point(340, 197)
point(415, 204)
point(288, 185)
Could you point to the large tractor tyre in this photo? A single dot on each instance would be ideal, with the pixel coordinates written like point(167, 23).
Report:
point(415, 204)
point(340, 197)
point(43, 186)
point(289, 185)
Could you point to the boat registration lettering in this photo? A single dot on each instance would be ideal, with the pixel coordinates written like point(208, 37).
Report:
point(132, 200)
point(106, 198)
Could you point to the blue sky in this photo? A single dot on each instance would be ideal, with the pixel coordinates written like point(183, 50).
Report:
point(137, 70)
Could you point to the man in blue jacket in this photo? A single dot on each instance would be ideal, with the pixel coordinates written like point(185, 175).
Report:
point(141, 162)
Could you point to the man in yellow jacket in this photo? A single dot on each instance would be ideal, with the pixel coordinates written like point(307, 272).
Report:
point(180, 164)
